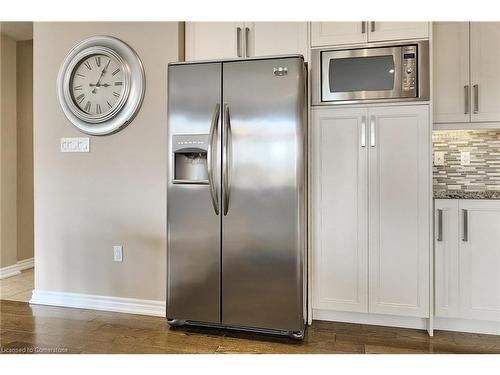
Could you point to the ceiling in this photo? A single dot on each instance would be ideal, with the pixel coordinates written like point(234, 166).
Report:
point(17, 30)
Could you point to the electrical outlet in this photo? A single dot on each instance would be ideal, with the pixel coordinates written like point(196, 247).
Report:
point(118, 253)
point(439, 157)
point(465, 158)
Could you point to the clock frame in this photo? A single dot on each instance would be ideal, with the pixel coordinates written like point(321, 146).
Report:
point(132, 94)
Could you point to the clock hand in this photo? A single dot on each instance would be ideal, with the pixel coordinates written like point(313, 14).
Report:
point(99, 80)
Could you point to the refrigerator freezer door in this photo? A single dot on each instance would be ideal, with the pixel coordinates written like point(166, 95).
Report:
point(263, 230)
point(193, 225)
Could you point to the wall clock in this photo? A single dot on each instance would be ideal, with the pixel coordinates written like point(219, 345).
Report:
point(101, 85)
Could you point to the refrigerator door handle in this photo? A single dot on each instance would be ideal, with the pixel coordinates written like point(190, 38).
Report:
point(227, 157)
point(211, 182)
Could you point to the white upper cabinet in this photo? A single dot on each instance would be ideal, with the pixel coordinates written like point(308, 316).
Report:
point(460, 97)
point(451, 99)
point(399, 210)
point(220, 40)
point(334, 33)
point(382, 31)
point(213, 40)
point(339, 33)
point(340, 258)
point(276, 38)
point(479, 254)
point(485, 71)
point(446, 282)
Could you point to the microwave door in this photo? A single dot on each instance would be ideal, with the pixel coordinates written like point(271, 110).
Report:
point(361, 74)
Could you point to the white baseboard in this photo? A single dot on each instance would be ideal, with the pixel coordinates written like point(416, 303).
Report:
point(16, 269)
point(372, 319)
point(96, 302)
point(26, 264)
point(9, 271)
point(467, 325)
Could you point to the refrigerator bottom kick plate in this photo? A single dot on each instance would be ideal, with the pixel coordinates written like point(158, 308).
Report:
point(296, 335)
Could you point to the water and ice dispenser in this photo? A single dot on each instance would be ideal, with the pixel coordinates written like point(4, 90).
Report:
point(190, 159)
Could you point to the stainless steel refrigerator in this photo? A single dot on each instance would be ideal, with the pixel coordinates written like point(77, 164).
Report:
point(236, 194)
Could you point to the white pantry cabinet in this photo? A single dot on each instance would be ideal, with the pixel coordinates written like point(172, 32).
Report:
point(341, 209)
point(339, 33)
point(470, 282)
point(218, 40)
point(466, 76)
point(371, 198)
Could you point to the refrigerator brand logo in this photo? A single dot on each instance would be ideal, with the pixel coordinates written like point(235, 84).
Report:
point(280, 71)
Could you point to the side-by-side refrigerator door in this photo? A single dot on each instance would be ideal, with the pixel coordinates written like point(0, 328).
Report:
point(193, 192)
point(263, 194)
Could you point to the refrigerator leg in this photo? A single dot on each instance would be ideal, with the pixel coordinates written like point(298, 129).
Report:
point(296, 335)
point(175, 322)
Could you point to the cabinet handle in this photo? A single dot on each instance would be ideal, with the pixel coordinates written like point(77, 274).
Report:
point(440, 225)
point(467, 100)
point(465, 234)
point(363, 131)
point(372, 27)
point(247, 45)
point(363, 27)
point(476, 98)
point(238, 41)
point(372, 131)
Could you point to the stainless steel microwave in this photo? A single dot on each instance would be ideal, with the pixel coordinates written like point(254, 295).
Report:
point(396, 72)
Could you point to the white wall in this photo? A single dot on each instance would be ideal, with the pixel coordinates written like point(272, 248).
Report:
point(116, 194)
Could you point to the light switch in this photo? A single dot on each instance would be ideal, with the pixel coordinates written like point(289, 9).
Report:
point(465, 158)
point(439, 157)
point(75, 144)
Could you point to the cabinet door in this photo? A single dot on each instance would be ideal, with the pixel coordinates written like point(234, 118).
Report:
point(213, 40)
point(340, 208)
point(399, 206)
point(446, 258)
point(333, 33)
point(276, 38)
point(382, 31)
point(451, 98)
point(480, 259)
point(485, 73)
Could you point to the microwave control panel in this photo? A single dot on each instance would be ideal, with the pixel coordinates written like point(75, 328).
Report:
point(409, 75)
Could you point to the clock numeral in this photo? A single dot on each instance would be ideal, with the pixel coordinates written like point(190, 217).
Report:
point(80, 98)
point(98, 61)
point(116, 94)
point(98, 109)
point(77, 87)
point(118, 83)
point(110, 106)
point(80, 75)
point(87, 64)
point(116, 71)
point(87, 107)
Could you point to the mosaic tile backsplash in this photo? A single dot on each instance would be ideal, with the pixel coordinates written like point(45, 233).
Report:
point(483, 173)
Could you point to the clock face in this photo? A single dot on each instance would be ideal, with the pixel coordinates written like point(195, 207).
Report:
point(97, 84)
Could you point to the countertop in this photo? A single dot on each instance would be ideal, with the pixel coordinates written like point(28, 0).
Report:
point(460, 194)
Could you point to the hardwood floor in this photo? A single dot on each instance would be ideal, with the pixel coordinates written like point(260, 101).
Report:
point(48, 329)
point(19, 287)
